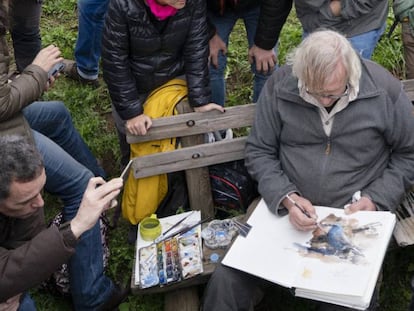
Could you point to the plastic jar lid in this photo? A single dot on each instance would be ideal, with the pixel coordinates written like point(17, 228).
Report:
point(214, 257)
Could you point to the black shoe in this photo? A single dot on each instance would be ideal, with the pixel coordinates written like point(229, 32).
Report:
point(71, 71)
point(118, 295)
point(132, 234)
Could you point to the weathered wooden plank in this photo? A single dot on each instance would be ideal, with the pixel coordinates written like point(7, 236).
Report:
point(192, 123)
point(189, 157)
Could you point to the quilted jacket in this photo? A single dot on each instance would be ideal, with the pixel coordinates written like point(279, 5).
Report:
point(138, 56)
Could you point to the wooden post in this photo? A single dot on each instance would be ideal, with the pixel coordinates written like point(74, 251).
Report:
point(185, 299)
point(198, 179)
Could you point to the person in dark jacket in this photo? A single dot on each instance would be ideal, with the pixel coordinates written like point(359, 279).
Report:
point(258, 18)
point(30, 252)
point(147, 43)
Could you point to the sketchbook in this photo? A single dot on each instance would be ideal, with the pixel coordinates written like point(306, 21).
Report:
point(339, 265)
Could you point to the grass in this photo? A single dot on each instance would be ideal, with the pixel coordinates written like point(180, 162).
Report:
point(91, 108)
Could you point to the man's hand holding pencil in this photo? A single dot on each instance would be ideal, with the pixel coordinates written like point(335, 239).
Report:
point(301, 212)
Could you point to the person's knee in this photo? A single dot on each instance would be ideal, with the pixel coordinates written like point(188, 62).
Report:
point(61, 112)
point(59, 107)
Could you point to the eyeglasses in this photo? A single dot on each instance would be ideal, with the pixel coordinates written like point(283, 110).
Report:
point(330, 96)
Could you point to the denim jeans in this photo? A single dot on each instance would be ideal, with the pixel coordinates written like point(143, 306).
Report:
point(88, 45)
point(364, 43)
point(224, 25)
point(69, 165)
point(231, 289)
point(26, 303)
point(25, 31)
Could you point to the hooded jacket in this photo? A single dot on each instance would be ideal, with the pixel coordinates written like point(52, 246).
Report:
point(370, 147)
point(138, 56)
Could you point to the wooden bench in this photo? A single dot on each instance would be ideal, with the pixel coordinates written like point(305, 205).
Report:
point(194, 157)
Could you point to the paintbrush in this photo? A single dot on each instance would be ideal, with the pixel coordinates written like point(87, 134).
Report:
point(184, 230)
point(161, 237)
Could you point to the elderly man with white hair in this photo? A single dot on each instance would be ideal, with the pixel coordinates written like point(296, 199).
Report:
point(327, 125)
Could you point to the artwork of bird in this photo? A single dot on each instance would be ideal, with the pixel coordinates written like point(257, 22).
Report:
point(337, 239)
point(331, 242)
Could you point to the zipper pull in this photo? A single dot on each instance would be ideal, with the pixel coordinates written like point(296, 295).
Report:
point(328, 148)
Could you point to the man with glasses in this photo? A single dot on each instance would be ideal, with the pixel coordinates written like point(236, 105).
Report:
point(327, 126)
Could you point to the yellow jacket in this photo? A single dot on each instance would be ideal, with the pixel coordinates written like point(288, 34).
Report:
point(142, 196)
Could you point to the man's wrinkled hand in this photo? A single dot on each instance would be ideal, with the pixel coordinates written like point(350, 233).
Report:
point(297, 217)
point(48, 57)
point(11, 304)
point(265, 60)
point(363, 204)
point(216, 45)
point(98, 197)
point(209, 107)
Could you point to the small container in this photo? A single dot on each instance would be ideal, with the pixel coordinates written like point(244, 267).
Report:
point(150, 228)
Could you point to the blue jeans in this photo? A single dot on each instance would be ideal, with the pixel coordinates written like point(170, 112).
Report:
point(69, 165)
point(364, 43)
point(26, 303)
point(88, 45)
point(224, 25)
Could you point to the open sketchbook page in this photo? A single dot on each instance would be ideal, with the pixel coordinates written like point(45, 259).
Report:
point(274, 250)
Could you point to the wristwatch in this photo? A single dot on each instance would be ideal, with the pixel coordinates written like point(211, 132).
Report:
point(68, 236)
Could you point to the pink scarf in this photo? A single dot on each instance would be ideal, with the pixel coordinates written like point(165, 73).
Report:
point(161, 12)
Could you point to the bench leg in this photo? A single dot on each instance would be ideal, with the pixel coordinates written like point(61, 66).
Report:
point(185, 299)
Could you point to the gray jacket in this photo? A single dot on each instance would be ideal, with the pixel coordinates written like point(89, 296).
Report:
point(370, 148)
point(356, 17)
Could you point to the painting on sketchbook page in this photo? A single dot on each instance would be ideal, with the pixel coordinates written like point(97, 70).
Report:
point(338, 263)
point(340, 239)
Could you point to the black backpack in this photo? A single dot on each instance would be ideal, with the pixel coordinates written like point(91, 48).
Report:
point(232, 187)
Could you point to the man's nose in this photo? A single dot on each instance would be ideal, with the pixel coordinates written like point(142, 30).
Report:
point(37, 202)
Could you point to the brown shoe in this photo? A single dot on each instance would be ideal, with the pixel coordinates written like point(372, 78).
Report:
point(71, 71)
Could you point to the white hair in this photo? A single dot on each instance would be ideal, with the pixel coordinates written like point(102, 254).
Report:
point(315, 59)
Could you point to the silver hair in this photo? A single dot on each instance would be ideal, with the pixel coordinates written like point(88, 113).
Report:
point(315, 59)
